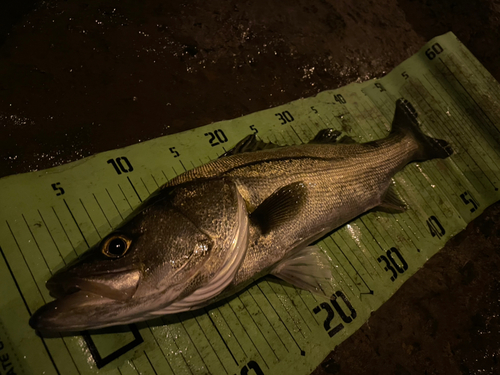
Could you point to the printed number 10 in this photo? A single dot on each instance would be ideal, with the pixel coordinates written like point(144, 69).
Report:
point(119, 166)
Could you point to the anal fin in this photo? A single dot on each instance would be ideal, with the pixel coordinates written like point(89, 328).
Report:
point(391, 203)
point(308, 269)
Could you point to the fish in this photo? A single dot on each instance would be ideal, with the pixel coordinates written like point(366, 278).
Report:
point(210, 232)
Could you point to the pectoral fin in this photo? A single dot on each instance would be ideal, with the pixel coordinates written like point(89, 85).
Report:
point(281, 206)
point(307, 269)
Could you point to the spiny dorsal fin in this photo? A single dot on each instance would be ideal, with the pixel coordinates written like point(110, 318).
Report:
point(329, 135)
point(307, 269)
point(249, 144)
point(391, 203)
point(346, 140)
point(281, 206)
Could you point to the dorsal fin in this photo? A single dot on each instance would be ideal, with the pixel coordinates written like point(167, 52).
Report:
point(346, 140)
point(328, 135)
point(249, 144)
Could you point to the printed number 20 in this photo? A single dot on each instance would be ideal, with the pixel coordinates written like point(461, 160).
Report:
point(330, 313)
point(217, 137)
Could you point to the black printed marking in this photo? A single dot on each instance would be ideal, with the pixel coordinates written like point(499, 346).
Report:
point(13, 278)
point(152, 367)
point(161, 349)
point(24, 299)
point(51, 237)
point(154, 179)
point(209, 343)
point(102, 210)
point(370, 291)
point(265, 338)
point(279, 317)
point(265, 316)
point(180, 161)
point(114, 204)
point(192, 342)
point(64, 230)
point(149, 193)
point(92, 221)
point(101, 362)
point(71, 213)
point(249, 337)
point(36, 243)
point(133, 187)
point(222, 338)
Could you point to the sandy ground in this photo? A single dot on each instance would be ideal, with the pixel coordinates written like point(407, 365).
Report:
point(78, 78)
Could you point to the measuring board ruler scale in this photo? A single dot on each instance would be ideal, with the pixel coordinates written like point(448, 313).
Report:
point(50, 217)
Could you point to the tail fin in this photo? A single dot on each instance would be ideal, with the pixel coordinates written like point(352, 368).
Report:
point(405, 122)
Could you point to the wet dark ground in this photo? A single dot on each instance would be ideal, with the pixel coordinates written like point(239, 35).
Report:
point(77, 78)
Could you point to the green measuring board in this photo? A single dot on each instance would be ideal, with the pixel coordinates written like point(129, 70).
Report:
point(48, 218)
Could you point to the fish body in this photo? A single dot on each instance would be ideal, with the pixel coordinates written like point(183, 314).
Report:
point(211, 231)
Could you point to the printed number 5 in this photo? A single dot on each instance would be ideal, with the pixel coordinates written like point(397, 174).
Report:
point(173, 151)
point(57, 188)
point(467, 198)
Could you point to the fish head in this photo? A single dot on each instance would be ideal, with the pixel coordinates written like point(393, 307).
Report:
point(146, 263)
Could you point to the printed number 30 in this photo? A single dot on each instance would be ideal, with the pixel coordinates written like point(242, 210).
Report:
point(284, 117)
point(390, 262)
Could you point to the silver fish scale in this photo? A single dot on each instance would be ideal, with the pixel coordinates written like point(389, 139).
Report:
point(342, 182)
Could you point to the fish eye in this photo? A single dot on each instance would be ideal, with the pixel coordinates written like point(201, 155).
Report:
point(116, 246)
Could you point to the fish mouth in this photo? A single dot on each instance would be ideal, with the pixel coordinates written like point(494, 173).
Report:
point(70, 313)
point(118, 285)
point(84, 301)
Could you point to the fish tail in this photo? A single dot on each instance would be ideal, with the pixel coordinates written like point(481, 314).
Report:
point(405, 122)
